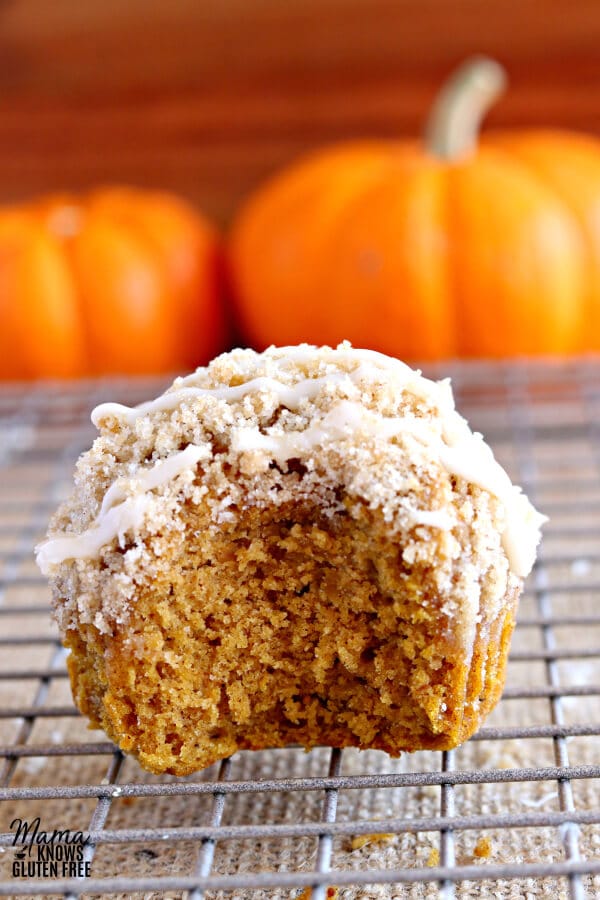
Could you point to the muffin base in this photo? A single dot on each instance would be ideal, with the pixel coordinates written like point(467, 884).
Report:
point(291, 627)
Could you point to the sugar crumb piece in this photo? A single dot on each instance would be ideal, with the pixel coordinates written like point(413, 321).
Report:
point(433, 860)
point(332, 893)
point(483, 848)
point(362, 840)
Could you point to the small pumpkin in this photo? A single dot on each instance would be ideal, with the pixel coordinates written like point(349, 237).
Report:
point(121, 280)
point(459, 246)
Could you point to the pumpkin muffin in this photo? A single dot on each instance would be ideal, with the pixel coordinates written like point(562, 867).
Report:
point(304, 546)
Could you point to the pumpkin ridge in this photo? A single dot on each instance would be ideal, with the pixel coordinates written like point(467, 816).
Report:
point(118, 303)
point(512, 150)
point(546, 183)
point(403, 176)
point(185, 294)
point(584, 241)
point(332, 234)
point(61, 351)
point(305, 187)
point(84, 309)
point(451, 262)
point(501, 294)
point(66, 242)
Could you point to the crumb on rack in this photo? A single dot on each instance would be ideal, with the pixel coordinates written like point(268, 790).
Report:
point(483, 848)
point(332, 893)
point(362, 840)
point(434, 858)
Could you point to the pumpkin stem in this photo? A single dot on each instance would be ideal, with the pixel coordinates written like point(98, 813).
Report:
point(459, 109)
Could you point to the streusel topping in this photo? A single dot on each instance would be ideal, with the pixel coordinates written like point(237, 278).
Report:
point(345, 416)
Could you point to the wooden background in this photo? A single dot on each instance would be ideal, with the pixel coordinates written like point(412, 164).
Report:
point(208, 96)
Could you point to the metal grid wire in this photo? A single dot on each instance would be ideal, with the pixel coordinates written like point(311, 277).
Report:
point(530, 778)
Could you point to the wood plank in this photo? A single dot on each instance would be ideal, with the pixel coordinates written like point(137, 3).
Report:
point(208, 98)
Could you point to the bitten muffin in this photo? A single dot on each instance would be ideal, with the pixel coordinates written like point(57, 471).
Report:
point(304, 546)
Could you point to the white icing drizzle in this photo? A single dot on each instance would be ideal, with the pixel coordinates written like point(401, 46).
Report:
point(120, 512)
point(343, 420)
point(126, 517)
point(289, 396)
point(447, 439)
point(371, 365)
point(160, 473)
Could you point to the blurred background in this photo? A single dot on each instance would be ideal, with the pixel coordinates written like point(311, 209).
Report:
point(206, 98)
point(499, 256)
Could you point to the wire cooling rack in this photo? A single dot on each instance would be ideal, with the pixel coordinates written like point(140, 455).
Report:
point(515, 812)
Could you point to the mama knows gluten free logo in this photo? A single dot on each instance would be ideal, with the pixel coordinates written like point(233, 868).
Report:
point(48, 854)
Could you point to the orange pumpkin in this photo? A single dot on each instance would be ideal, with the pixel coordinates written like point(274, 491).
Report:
point(121, 280)
point(457, 247)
